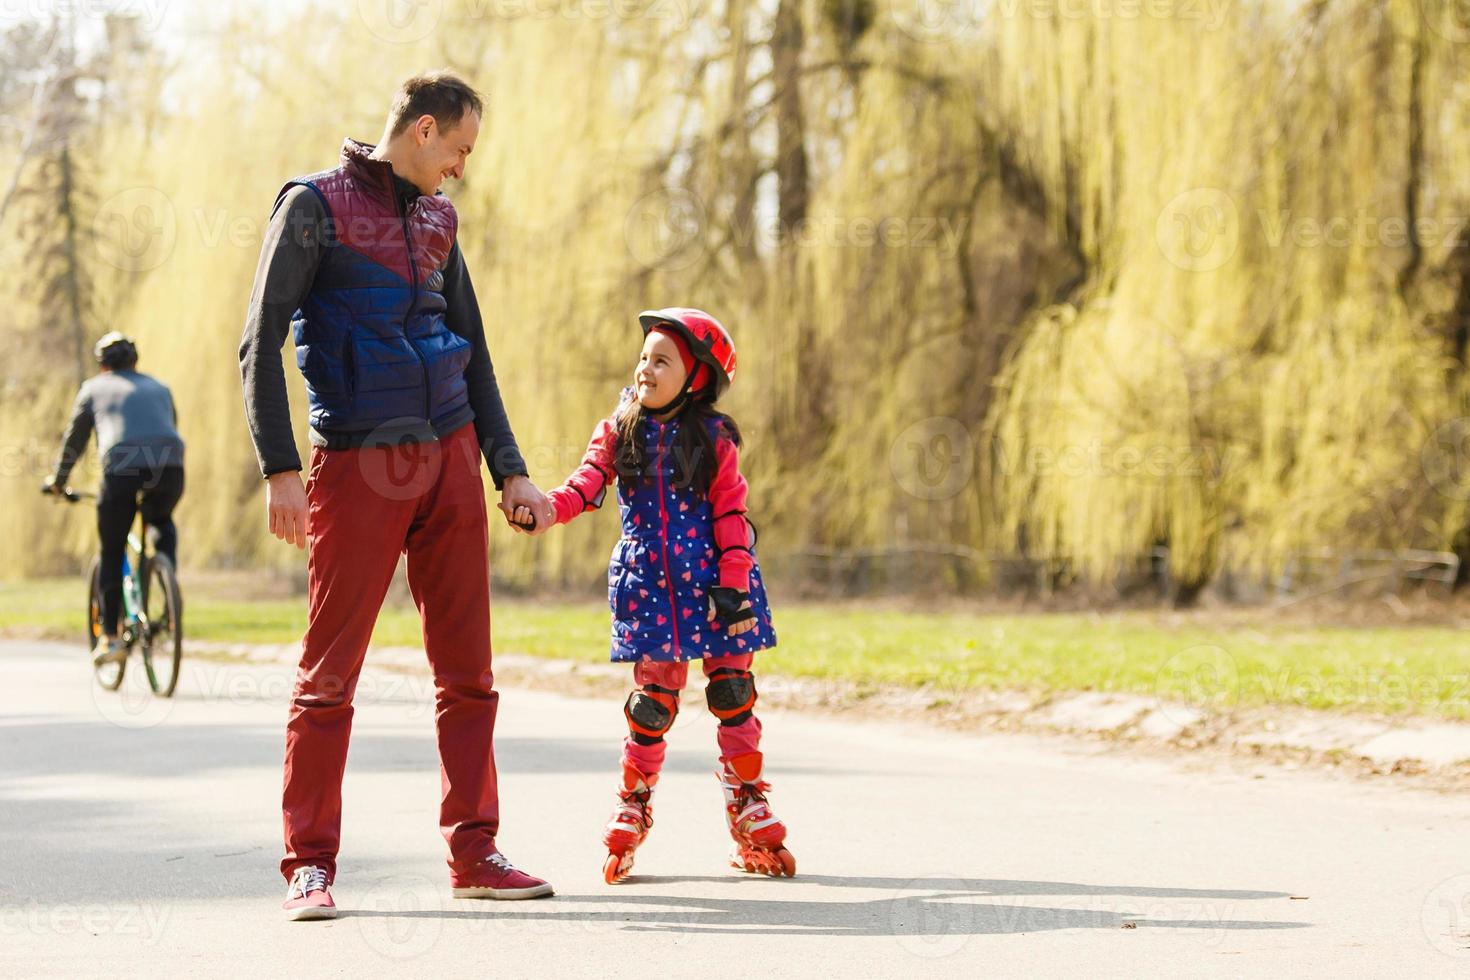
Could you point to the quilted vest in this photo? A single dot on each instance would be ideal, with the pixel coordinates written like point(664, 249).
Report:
point(371, 340)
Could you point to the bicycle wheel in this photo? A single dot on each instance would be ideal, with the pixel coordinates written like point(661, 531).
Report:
point(109, 676)
point(163, 640)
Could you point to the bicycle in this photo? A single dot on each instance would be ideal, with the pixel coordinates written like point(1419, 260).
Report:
point(152, 613)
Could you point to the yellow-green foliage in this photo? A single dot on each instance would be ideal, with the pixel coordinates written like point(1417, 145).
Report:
point(1106, 263)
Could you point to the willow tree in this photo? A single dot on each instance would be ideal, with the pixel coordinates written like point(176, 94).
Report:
point(1240, 195)
point(1026, 285)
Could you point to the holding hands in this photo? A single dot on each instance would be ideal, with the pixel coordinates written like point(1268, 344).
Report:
point(526, 508)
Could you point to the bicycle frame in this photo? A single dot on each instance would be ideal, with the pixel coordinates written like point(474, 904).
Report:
point(134, 611)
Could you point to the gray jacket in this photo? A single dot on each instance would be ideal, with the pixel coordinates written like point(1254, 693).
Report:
point(135, 420)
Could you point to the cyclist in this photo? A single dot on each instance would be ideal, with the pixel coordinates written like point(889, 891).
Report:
point(142, 461)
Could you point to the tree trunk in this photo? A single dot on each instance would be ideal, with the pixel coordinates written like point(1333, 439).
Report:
point(791, 164)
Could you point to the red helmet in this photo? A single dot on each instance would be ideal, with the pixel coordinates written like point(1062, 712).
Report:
point(709, 342)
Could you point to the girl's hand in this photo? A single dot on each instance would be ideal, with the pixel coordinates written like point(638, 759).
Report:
point(518, 517)
point(745, 626)
point(731, 606)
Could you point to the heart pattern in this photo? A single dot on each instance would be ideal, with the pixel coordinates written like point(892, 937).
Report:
point(665, 564)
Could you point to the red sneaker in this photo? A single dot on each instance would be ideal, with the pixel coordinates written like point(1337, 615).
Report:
point(307, 897)
point(496, 877)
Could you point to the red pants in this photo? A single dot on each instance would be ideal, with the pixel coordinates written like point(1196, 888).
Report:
point(733, 739)
point(367, 506)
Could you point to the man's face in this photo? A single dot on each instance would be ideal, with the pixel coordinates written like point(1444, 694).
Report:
point(441, 154)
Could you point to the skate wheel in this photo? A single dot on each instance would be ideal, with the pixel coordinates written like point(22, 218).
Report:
point(772, 864)
point(616, 867)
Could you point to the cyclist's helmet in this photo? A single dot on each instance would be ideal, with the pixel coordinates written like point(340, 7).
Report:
point(709, 342)
point(116, 350)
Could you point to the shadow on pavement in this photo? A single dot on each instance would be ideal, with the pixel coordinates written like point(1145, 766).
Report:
point(959, 909)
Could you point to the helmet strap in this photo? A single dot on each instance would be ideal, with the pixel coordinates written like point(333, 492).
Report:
point(678, 402)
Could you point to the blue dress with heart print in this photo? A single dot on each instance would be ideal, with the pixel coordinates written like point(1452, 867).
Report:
point(677, 543)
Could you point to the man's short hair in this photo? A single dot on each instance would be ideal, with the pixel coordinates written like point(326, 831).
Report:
point(441, 94)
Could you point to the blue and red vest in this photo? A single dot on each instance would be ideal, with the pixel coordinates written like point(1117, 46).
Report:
point(371, 340)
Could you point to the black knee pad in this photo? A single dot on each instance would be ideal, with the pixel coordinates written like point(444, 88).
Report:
point(651, 711)
point(730, 695)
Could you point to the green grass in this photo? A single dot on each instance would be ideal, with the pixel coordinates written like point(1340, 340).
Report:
point(1420, 670)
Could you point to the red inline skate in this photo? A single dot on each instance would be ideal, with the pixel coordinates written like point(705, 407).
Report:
point(759, 836)
point(629, 823)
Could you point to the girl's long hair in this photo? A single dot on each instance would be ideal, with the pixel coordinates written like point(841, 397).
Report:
point(693, 448)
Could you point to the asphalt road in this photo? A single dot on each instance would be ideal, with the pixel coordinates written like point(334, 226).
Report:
point(140, 837)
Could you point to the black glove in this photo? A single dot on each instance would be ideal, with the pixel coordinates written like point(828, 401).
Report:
point(726, 603)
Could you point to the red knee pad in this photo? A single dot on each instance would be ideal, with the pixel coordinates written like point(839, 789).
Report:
point(651, 710)
point(730, 694)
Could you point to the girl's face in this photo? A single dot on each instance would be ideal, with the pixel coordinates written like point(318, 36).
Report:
point(660, 373)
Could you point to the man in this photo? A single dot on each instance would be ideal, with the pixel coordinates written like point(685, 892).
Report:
point(360, 262)
point(142, 465)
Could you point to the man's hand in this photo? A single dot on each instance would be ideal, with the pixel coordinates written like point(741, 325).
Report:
point(285, 504)
point(519, 492)
point(52, 486)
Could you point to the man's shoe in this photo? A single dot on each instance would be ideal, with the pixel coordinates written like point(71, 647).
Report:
point(109, 650)
point(308, 897)
point(495, 877)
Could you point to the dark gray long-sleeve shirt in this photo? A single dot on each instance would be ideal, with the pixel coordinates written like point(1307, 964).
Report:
point(135, 420)
point(288, 263)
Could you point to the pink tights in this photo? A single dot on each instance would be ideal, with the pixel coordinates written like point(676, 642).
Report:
point(733, 739)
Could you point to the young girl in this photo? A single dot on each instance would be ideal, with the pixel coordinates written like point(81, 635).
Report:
point(683, 582)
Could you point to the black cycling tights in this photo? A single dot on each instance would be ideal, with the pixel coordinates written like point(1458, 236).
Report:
point(117, 505)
